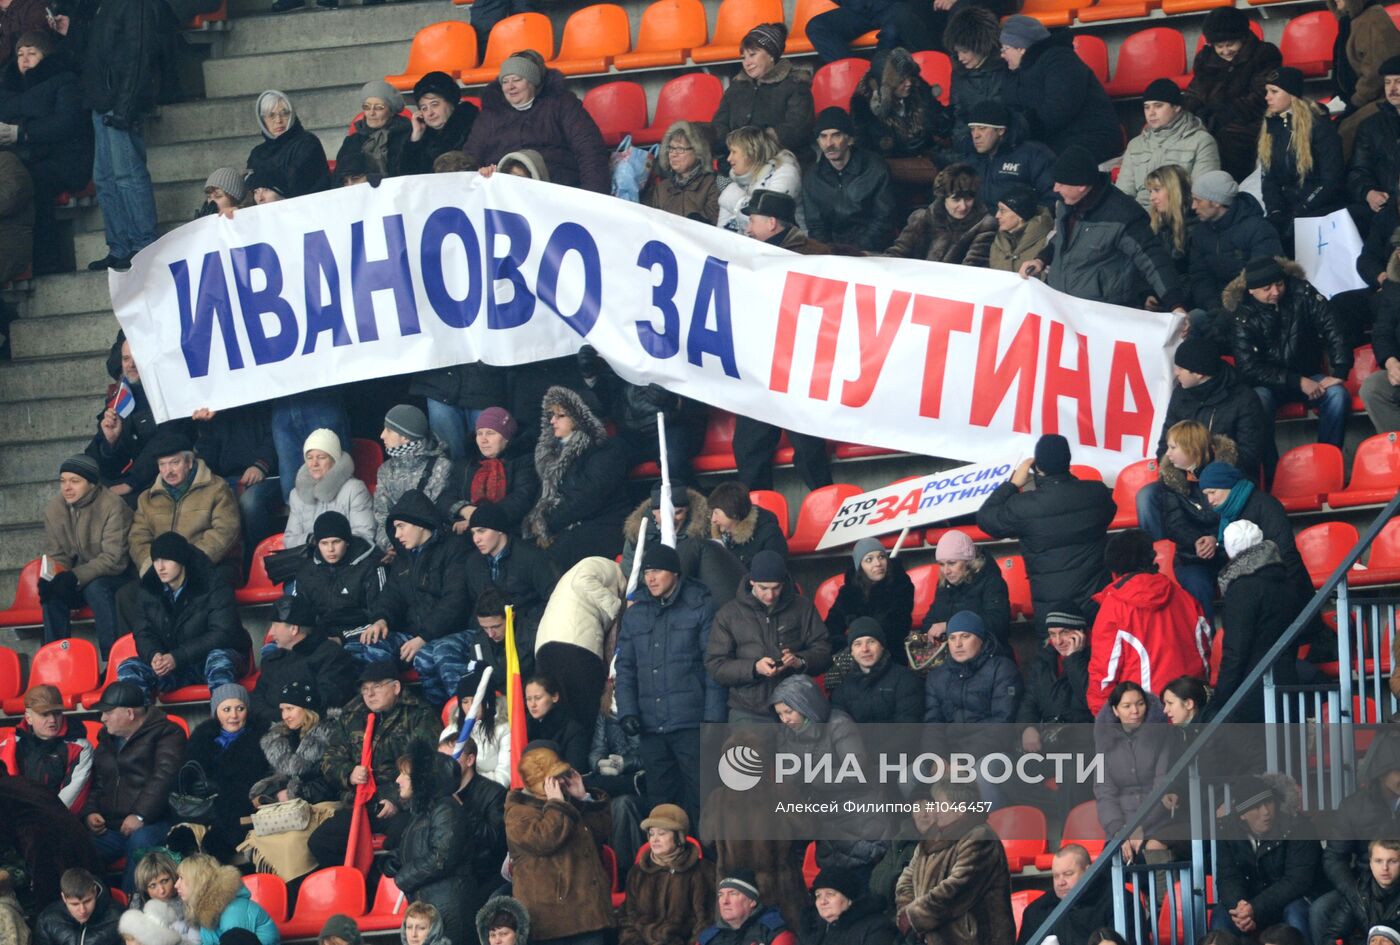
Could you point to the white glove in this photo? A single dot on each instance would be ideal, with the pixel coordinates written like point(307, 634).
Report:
point(9, 134)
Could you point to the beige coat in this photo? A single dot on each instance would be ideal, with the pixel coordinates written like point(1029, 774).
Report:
point(207, 515)
point(1010, 251)
point(89, 536)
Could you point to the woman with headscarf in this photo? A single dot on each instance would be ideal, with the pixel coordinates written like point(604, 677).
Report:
point(686, 183)
point(531, 108)
point(226, 747)
point(504, 474)
point(553, 829)
point(380, 135)
point(769, 92)
point(441, 122)
point(671, 889)
point(582, 472)
point(289, 154)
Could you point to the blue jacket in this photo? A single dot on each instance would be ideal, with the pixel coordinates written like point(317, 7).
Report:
point(243, 913)
point(1015, 161)
point(987, 688)
point(1220, 248)
point(661, 674)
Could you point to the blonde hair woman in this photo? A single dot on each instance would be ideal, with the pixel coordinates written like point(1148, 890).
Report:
point(1300, 156)
point(216, 900)
point(757, 162)
point(1169, 209)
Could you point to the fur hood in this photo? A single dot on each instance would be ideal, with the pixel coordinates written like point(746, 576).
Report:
point(553, 456)
point(223, 886)
point(1234, 293)
point(891, 69)
point(697, 526)
point(505, 904)
point(1250, 561)
point(433, 775)
point(742, 532)
point(312, 492)
point(782, 71)
point(974, 28)
point(1222, 450)
point(699, 140)
point(306, 757)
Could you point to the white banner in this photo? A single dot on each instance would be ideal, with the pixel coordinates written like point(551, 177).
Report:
point(426, 272)
point(911, 503)
point(1327, 249)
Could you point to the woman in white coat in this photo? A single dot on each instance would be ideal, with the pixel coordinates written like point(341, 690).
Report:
point(578, 627)
point(757, 162)
point(326, 483)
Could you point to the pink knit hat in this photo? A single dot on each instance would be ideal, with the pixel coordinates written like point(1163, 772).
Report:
point(955, 546)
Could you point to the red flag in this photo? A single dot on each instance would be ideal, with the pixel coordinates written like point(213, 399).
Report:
point(515, 700)
point(359, 852)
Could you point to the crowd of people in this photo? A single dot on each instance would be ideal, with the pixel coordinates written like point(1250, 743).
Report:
point(506, 491)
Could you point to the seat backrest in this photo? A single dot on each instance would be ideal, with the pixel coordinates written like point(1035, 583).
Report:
point(1150, 54)
point(937, 70)
point(835, 81)
point(27, 587)
point(1165, 557)
point(514, 33)
point(692, 97)
point(257, 575)
point(1020, 899)
point(269, 891)
point(1363, 365)
point(1130, 482)
point(1312, 469)
point(1323, 546)
point(825, 595)
point(818, 509)
point(1087, 473)
point(609, 858)
point(1019, 827)
point(1385, 550)
point(925, 580)
point(387, 898)
point(1093, 52)
point(180, 723)
point(71, 665)
point(598, 30)
point(1018, 584)
point(368, 456)
point(672, 24)
point(123, 649)
point(803, 14)
point(1309, 38)
point(1082, 826)
point(449, 46)
point(616, 107)
point(1377, 463)
point(736, 17)
point(11, 679)
point(810, 869)
point(331, 890)
point(774, 502)
point(91, 730)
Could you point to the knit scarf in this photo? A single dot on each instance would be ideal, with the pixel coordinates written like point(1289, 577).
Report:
point(489, 482)
point(673, 859)
point(683, 180)
point(225, 738)
point(411, 448)
point(1233, 506)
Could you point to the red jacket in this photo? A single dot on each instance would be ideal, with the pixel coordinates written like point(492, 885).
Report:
point(66, 772)
point(1148, 630)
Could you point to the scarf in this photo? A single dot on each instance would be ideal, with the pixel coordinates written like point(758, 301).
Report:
point(683, 180)
point(225, 738)
point(525, 107)
point(1233, 506)
point(672, 859)
point(489, 482)
point(178, 492)
point(375, 148)
point(411, 448)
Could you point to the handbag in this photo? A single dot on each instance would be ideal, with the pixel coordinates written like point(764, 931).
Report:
point(281, 817)
point(194, 795)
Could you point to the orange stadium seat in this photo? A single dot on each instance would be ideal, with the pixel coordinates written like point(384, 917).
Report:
point(1323, 547)
point(1375, 473)
point(70, 665)
point(448, 47)
point(269, 891)
point(592, 37)
point(1051, 13)
point(1020, 899)
point(825, 597)
point(1018, 586)
point(670, 29)
point(334, 889)
point(937, 70)
point(734, 19)
point(806, 10)
point(514, 33)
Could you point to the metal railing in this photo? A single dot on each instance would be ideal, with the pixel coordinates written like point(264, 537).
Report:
point(1202, 808)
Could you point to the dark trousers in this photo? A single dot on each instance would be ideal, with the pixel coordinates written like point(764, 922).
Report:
point(49, 252)
point(581, 676)
point(755, 441)
point(831, 32)
point(327, 842)
point(672, 763)
point(101, 595)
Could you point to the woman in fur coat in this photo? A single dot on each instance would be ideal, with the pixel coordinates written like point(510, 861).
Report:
point(896, 113)
point(955, 228)
point(1227, 87)
point(582, 474)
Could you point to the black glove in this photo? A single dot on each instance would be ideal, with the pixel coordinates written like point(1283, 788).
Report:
point(64, 586)
point(45, 591)
point(117, 122)
point(589, 364)
point(631, 726)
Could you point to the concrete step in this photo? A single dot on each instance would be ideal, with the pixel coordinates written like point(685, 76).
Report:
point(341, 29)
point(18, 546)
point(23, 503)
point(62, 335)
point(38, 462)
point(92, 244)
point(292, 71)
point(50, 379)
point(176, 203)
point(69, 293)
point(58, 418)
point(218, 118)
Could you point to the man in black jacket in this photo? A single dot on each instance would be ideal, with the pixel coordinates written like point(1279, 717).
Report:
point(1232, 231)
point(420, 617)
point(483, 806)
point(1057, 682)
point(302, 655)
point(84, 914)
point(1208, 390)
point(187, 630)
point(847, 194)
point(995, 148)
point(237, 445)
point(1092, 910)
point(523, 574)
point(121, 49)
point(1062, 525)
point(1381, 391)
point(1282, 329)
point(1375, 157)
point(339, 575)
point(1372, 811)
point(1263, 874)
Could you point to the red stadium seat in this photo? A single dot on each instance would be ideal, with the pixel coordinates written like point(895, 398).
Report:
point(1363, 366)
point(509, 36)
point(1166, 557)
point(717, 452)
point(269, 891)
point(91, 729)
point(925, 578)
point(617, 108)
point(1165, 918)
point(388, 909)
point(334, 889)
point(835, 81)
point(1154, 53)
point(693, 97)
point(826, 593)
point(971, 531)
point(1323, 547)
point(937, 70)
point(1375, 473)
point(1105, 10)
point(1306, 474)
point(1217, 655)
point(815, 515)
point(1093, 52)
point(24, 610)
point(1082, 826)
point(70, 665)
point(775, 503)
point(1125, 489)
point(733, 21)
point(1384, 564)
point(592, 37)
point(1018, 585)
point(205, 22)
point(670, 29)
point(1307, 42)
point(260, 589)
point(1023, 834)
point(181, 724)
point(368, 456)
point(1086, 473)
point(448, 47)
point(123, 649)
point(609, 857)
point(1020, 899)
point(11, 679)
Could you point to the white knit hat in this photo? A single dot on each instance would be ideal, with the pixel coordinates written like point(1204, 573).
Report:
point(1240, 536)
point(326, 441)
point(146, 930)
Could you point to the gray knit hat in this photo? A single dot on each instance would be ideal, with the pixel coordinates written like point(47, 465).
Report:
point(1215, 186)
point(229, 181)
point(222, 694)
point(81, 465)
point(378, 88)
point(408, 421)
point(1022, 31)
point(524, 67)
point(863, 548)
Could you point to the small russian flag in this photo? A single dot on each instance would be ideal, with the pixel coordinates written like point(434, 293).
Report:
point(123, 401)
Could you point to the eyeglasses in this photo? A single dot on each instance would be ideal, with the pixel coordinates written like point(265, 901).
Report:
point(678, 148)
point(369, 109)
point(369, 687)
point(279, 113)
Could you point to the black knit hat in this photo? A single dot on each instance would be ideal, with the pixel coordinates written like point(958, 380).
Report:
point(865, 627)
point(1225, 24)
point(81, 465)
point(1162, 90)
point(659, 557)
point(490, 515)
point(1076, 167)
point(1248, 793)
point(1261, 271)
point(299, 692)
point(1052, 455)
point(168, 444)
point(379, 671)
point(331, 524)
point(172, 546)
point(845, 881)
point(989, 112)
point(440, 84)
point(1199, 356)
point(834, 118)
point(768, 567)
point(1021, 199)
point(1391, 66)
point(1288, 79)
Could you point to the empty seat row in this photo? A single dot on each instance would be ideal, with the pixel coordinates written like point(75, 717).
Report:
point(334, 890)
point(1324, 546)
